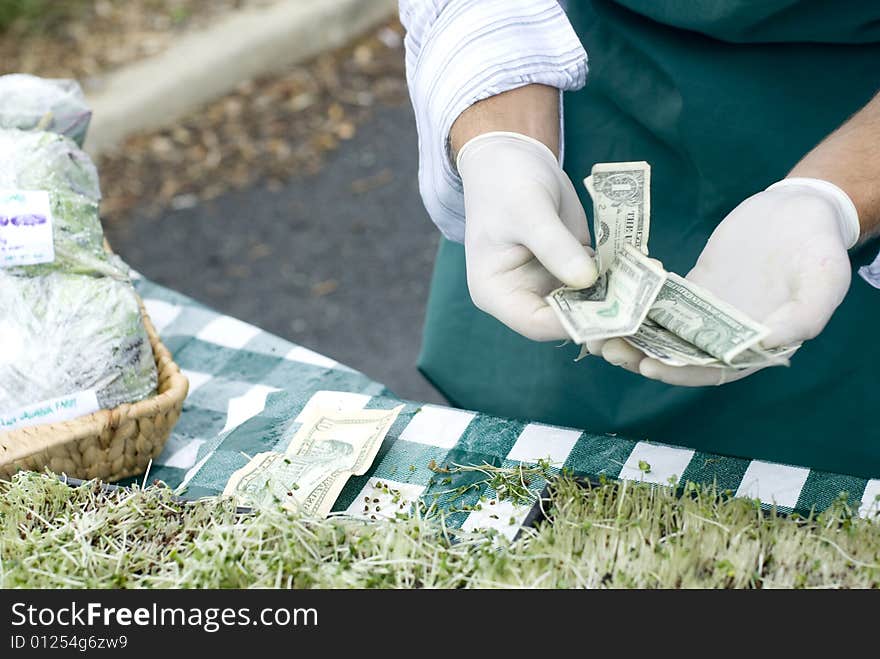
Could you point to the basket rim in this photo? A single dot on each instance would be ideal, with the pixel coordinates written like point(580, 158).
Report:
point(21, 443)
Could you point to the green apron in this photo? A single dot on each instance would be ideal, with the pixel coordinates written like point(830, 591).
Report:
point(722, 98)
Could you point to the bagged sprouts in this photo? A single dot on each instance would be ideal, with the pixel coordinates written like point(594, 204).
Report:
point(67, 333)
point(69, 317)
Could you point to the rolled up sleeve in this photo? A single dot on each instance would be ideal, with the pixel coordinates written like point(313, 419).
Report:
point(459, 52)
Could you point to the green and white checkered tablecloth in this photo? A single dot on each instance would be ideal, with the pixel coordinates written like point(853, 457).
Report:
point(248, 390)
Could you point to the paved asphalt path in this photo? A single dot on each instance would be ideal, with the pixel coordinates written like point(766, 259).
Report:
point(339, 262)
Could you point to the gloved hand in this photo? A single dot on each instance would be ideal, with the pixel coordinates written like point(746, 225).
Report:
point(526, 231)
point(781, 257)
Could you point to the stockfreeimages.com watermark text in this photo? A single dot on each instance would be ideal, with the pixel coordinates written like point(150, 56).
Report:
point(209, 619)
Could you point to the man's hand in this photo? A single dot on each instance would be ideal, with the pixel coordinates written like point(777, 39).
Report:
point(781, 257)
point(526, 232)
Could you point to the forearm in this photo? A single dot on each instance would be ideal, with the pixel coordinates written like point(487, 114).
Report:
point(532, 110)
point(850, 158)
point(462, 52)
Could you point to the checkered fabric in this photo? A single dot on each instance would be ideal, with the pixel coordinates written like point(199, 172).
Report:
point(249, 390)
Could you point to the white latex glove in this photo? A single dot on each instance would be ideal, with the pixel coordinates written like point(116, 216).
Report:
point(525, 233)
point(781, 257)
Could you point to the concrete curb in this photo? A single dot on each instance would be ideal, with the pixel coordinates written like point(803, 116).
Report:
point(205, 65)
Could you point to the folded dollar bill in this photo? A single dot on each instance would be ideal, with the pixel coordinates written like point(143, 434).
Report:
point(702, 319)
point(616, 305)
point(667, 347)
point(308, 477)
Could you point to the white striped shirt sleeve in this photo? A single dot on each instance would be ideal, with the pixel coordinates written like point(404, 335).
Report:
point(459, 52)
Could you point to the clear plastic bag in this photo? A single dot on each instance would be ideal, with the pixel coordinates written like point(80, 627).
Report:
point(64, 333)
point(56, 106)
point(45, 161)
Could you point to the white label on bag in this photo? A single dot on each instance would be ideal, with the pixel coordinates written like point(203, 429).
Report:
point(25, 228)
point(56, 410)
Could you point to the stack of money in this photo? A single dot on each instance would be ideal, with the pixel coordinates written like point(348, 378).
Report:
point(329, 448)
point(666, 316)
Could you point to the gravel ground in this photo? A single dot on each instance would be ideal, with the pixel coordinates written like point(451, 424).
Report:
point(84, 39)
point(337, 261)
point(292, 204)
point(263, 133)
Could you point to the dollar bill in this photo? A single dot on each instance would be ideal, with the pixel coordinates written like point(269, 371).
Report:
point(588, 184)
point(268, 479)
point(701, 318)
point(756, 357)
point(630, 287)
point(328, 449)
point(659, 343)
point(363, 430)
point(621, 208)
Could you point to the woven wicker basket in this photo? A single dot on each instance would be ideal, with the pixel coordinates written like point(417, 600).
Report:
point(109, 444)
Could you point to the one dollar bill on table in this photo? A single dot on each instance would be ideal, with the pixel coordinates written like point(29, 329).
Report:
point(666, 316)
point(329, 448)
